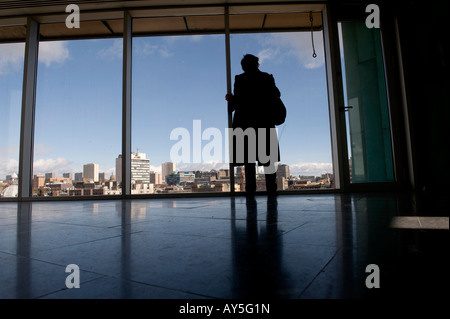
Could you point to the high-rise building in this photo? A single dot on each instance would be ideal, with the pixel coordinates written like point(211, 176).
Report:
point(90, 171)
point(50, 175)
point(67, 175)
point(283, 175)
point(38, 181)
point(167, 168)
point(78, 177)
point(103, 177)
point(119, 168)
point(156, 178)
point(140, 168)
point(283, 171)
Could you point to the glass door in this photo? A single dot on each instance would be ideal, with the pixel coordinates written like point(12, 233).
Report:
point(370, 155)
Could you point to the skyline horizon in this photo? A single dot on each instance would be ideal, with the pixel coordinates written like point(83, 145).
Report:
point(301, 169)
point(69, 105)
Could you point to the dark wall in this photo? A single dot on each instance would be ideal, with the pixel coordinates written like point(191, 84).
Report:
point(425, 47)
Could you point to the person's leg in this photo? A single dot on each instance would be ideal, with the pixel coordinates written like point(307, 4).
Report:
point(250, 178)
point(271, 180)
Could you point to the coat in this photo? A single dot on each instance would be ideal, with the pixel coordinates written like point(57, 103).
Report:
point(252, 103)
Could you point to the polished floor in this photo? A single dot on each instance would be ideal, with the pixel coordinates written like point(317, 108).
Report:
point(291, 247)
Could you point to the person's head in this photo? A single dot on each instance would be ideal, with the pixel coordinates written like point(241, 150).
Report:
point(250, 63)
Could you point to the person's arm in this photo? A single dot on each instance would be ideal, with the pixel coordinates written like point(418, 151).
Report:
point(229, 97)
point(233, 98)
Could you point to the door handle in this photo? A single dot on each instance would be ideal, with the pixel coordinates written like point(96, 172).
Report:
point(345, 108)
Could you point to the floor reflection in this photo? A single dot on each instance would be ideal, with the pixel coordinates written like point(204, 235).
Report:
point(307, 247)
point(23, 268)
point(126, 246)
point(257, 252)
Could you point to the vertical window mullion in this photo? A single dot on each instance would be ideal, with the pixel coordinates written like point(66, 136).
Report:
point(28, 110)
point(336, 101)
point(229, 90)
point(126, 106)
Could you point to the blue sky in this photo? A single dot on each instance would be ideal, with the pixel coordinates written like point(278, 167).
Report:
point(175, 80)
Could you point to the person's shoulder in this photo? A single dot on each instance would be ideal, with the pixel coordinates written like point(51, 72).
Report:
point(239, 77)
point(266, 75)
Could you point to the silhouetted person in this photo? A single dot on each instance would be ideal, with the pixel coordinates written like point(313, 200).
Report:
point(252, 102)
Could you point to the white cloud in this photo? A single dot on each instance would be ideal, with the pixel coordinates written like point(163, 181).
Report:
point(11, 57)
point(311, 169)
point(148, 48)
point(206, 166)
point(156, 169)
point(58, 166)
point(196, 37)
point(41, 166)
point(298, 45)
point(109, 172)
point(268, 54)
point(113, 51)
point(8, 166)
point(53, 52)
point(164, 52)
point(145, 48)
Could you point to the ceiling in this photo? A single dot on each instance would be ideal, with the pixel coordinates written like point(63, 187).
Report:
point(105, 18)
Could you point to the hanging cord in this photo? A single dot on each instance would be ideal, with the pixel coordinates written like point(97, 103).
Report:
point(312, 34)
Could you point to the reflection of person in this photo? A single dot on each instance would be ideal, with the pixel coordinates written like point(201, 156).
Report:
point(254, 91)
point(257, 250)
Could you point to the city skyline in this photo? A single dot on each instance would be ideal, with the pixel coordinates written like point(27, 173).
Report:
point(78, 102)
point(144, 181)
point(285, 172)
point(153, 169)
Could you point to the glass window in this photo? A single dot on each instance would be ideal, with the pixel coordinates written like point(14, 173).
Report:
point(179, 116)
point(304, 138)
point(11, 80)
point(78, 130)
